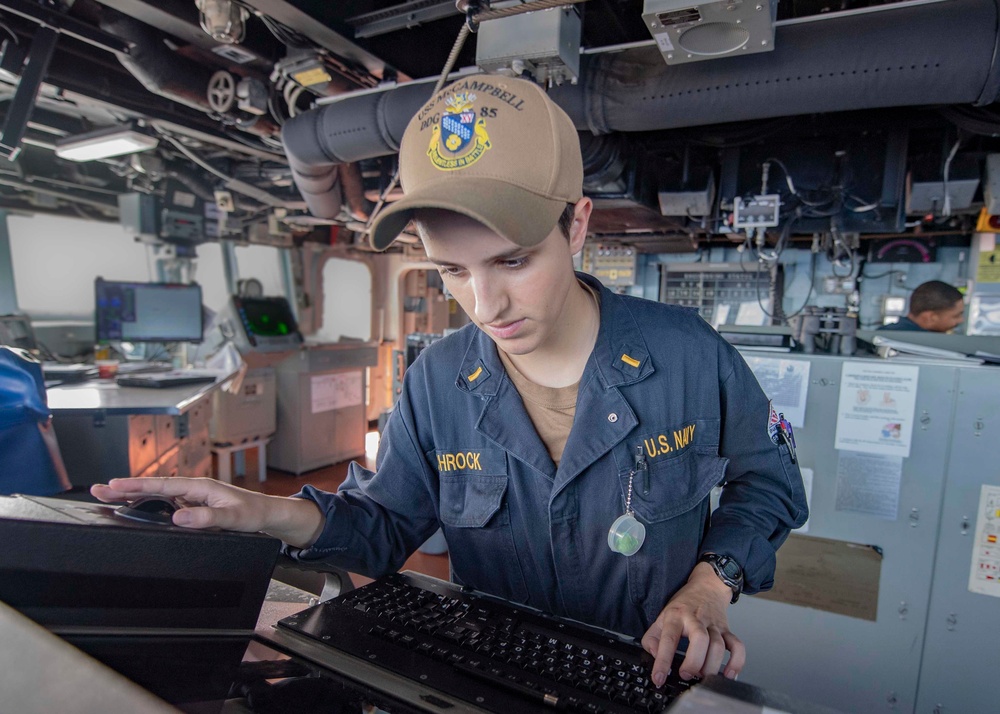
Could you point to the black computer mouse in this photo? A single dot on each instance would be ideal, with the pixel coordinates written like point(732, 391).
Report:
point(149, 509)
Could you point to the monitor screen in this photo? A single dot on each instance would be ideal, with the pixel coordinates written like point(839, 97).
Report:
point(267, 316)
point(147, 312)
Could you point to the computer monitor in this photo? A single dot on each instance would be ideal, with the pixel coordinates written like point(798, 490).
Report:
point(147, 312)
point(268, 324)
point(15, 331)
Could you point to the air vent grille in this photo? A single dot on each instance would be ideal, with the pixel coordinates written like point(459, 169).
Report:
point(679, 17)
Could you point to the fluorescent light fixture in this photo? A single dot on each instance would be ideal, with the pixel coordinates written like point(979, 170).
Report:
point(104, 143)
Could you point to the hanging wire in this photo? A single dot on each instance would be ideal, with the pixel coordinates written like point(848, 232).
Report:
point(281, 33)
point(946, 209)
point(463, 34)
point(10, 32)
point(812, 287)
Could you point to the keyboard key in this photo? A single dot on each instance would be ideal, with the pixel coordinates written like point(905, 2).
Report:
point(449, 633)
point(645, 704)
point(473, 625)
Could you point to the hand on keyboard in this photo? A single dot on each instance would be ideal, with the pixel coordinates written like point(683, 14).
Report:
point(486, 651)
point(698, 612)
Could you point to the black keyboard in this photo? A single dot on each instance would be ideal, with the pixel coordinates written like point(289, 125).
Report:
point(491, 653)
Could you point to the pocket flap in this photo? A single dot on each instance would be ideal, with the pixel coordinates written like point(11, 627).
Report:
point(469, 501)
point(676, 485)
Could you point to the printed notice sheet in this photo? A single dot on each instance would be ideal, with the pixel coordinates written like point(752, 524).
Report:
point(786, 384)
point(869, 483)
point(985, 576)
point(336, 391)
point(877, 403)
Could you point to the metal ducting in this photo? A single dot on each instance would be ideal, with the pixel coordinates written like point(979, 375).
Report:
point(166, 73)
point(355, 128)
point(942, 53)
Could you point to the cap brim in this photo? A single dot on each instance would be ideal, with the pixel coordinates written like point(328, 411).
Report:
point(520, 216)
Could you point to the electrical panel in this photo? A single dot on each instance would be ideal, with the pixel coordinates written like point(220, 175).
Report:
point(723, 293)
point(545, 43)
point(178, 217)
point(853, 174)
point(757, 212)
point(613, 264)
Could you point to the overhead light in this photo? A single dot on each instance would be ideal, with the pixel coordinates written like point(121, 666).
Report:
point(104, 143)
point(224, 20)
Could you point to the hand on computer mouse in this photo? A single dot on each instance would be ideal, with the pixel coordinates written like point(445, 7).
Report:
point(149, 509)
point(207, 503)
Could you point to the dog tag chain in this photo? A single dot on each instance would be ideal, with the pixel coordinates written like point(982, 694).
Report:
point(627, 533)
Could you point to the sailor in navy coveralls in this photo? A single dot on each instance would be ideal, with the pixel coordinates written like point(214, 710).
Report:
point(596, 508)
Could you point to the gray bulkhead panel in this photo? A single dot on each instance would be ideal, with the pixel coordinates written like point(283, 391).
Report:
point(962, 647)
point(844, 661)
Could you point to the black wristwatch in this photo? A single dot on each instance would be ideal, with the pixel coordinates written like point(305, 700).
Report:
point(728, 570)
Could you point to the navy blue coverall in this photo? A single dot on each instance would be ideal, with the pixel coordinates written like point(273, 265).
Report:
point(460, 452)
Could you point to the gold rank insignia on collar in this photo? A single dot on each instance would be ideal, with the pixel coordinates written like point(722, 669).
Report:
point(631, 359)
point(473, 375)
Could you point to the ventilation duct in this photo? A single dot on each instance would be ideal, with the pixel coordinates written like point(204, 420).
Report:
point(354, 128)
point(944, 53)
point(164, 72)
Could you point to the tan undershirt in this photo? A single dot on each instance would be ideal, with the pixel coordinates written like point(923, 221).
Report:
point(551, 409)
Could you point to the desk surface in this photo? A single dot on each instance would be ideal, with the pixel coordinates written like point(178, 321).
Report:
point(104, 396)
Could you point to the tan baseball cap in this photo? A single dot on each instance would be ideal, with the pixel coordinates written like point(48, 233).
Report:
point(493, 148)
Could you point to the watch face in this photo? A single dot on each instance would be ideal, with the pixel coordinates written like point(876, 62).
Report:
point(730, 568)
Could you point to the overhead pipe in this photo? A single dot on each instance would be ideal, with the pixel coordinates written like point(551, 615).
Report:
point(318, 141)
point(166, 73)
point(944, 53)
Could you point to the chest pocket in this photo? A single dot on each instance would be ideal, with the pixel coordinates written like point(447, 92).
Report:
point(470, 501)
point(477, 526)
point(675, 485)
